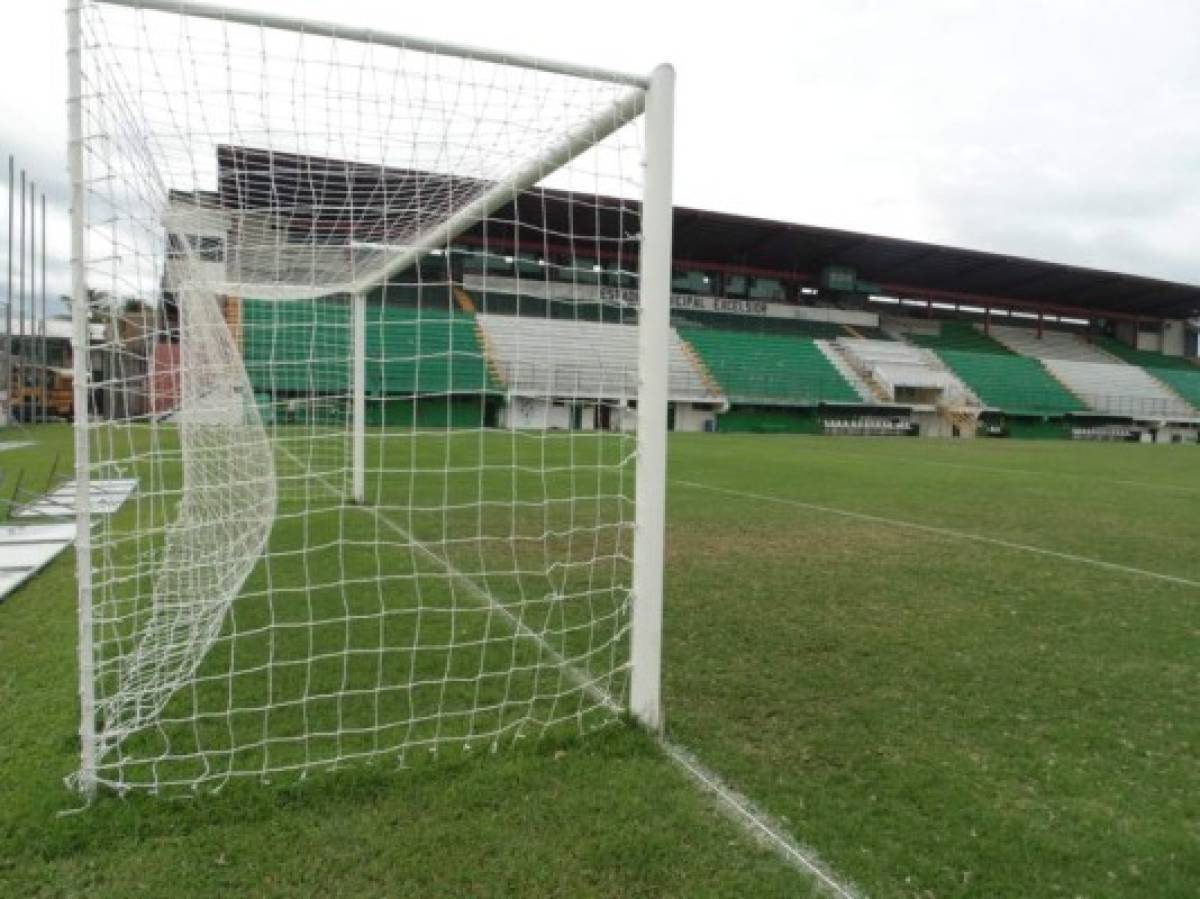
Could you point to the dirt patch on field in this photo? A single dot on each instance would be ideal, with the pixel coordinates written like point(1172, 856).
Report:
point(811, 534)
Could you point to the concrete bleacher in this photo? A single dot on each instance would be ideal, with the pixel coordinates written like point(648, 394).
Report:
point(905, 373)
point(547, 357)
point(1177, 373)
point(998, 376)
point(769, 369)
point(1104, 382)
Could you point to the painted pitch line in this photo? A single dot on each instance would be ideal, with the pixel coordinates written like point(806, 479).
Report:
point(1000, 469)
point(756, 823)
point(945, 532)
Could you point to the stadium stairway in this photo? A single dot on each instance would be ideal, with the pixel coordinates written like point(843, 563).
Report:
point(867, 391)
point(495, 371)
point(464, 300)
point(702, 367)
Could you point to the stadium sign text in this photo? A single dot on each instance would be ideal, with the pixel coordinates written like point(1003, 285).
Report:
point(591, 293)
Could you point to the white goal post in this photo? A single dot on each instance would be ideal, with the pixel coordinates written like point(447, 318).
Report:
point(388, 504)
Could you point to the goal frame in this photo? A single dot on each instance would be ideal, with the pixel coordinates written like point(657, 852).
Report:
point(650, 95)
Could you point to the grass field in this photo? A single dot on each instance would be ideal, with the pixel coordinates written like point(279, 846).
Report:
point(950, 669)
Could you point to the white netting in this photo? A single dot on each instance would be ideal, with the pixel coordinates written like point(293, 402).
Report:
point(245, 187)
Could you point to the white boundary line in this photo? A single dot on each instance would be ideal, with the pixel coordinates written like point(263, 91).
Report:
point(999, 469)
point(736, 806)
point(757, 822)
point(944, 532)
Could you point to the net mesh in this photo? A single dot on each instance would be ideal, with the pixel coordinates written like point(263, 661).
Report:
point(262, 208)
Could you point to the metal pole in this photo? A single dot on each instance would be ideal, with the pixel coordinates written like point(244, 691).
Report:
point(8, 298)
point(654, 332)
point(21, 287)
point(45, 360)
point(80, 362)
point(27, 320)
point(359, 398)
point(31, 338)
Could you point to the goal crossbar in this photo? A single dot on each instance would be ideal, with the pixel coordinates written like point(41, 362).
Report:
point(383, 38)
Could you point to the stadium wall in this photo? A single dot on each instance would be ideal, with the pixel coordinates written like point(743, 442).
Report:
point(526, 412)
point(767, 420)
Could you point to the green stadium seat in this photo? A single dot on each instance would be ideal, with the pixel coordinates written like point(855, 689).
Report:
point(304, 347)
point(999, 377)
point(769, 369)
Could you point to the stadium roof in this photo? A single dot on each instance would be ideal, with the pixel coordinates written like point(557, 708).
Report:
point(316, 191)
point(908, 268)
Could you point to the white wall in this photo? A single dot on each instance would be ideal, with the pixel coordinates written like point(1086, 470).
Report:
point(1172, 338)
point(1173, 435)
point(1151, 341)
point(691, 418)
point(932, 424)
point(624, 419)
point(530, 412)
point(540, 414)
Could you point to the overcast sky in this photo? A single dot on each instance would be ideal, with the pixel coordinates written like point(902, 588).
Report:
point(1066, 130)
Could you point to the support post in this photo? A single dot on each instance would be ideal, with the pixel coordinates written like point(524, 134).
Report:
point(43, 356)
point(22, 350)
point(654, 331)
point(80, 357)
point(8, 297)
point(31, 341)
point(358, 402)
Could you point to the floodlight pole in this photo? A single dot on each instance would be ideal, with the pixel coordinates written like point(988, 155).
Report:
point(31, 342)
point(44, 354)
point(8, 296)
point(654, 334)
point(21, 280)
point(358, 399)
point(81, 362)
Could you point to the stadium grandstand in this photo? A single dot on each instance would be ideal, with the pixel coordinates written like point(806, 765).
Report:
point(776, 326)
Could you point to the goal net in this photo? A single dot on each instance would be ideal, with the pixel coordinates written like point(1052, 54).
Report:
point(374, 354)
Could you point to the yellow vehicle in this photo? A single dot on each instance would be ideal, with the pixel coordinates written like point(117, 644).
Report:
point(34, 386)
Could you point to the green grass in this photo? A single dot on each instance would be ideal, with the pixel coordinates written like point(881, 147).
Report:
point(940, 717)
point(933, 716)
point(41, 457)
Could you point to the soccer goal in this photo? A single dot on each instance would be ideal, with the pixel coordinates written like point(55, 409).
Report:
point(384, 345)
